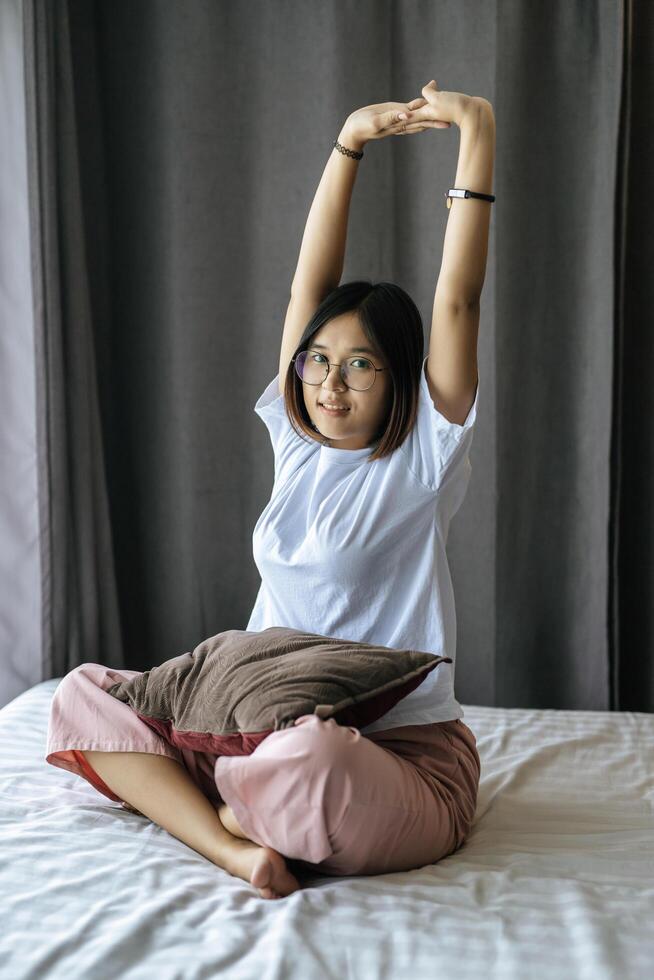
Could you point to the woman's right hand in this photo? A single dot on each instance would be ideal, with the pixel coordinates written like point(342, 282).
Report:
point(373, 122)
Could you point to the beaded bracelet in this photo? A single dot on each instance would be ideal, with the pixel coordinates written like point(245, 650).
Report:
point(356, 155)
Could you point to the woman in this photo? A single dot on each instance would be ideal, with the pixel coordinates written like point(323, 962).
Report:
point(371, 462)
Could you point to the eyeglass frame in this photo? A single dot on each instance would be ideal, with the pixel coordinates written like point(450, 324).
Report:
point(329, 366)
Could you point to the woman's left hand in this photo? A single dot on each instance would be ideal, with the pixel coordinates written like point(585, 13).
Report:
point(374, 122)
point(436, 107)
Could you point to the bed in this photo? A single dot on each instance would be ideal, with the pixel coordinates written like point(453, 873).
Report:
point(555, 881)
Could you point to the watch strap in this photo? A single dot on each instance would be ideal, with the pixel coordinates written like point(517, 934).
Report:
point(464, 192)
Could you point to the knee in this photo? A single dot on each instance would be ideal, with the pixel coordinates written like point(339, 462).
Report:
point(81, 683)
point(72, 679)
point(82, 670)
point(88, 673)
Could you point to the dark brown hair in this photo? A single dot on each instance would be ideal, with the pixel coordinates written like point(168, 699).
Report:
point(391, 321)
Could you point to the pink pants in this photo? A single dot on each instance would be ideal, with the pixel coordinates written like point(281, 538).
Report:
point(322, 794)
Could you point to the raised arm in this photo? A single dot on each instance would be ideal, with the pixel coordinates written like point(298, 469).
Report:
point(463, 266)
point(452, 363)
point(322, 253)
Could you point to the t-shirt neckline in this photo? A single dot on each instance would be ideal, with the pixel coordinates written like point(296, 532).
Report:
point(334, 455)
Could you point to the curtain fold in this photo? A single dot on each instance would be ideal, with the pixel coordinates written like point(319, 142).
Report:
point(559, 78)
point(79, 609)
point(632, 445)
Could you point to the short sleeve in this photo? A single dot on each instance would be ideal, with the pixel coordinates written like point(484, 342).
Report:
point(436, 447)
point(290, 449)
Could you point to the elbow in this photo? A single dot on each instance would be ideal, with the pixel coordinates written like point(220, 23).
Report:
point(459, 298)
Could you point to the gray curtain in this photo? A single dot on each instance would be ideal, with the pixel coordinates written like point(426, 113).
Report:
point(173, 152)
point(20, 637)
point(79, 609)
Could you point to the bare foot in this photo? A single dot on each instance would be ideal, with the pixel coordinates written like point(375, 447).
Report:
point(264, 868)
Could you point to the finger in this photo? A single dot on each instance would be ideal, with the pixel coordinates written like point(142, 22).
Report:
point(394, 116)
point(411, 129)
point(425, 118)
point(420, 127)
point(417, 103)
point(424, 113)
point(414, 124)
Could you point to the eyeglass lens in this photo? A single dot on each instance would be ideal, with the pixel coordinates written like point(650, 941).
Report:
point(312, 367)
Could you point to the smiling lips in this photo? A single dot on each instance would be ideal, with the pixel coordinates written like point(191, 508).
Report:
point(333, 408)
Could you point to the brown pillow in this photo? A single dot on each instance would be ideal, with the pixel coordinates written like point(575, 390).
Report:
point(237, 687)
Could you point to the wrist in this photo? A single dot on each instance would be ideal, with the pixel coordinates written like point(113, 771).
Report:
point(348, 138)
point(476, 111)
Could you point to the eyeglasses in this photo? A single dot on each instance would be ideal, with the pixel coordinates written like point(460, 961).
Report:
point(358, 373)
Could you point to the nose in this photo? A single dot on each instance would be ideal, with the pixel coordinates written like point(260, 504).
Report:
point(334, 378)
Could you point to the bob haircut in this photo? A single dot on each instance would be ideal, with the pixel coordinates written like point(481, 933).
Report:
point(391, 321)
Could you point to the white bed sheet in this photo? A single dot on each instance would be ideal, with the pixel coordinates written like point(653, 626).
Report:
point(555, 881)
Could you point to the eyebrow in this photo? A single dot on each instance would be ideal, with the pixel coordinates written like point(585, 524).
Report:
point(353, 350)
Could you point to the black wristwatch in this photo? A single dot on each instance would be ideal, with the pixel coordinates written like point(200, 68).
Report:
point(461, 192)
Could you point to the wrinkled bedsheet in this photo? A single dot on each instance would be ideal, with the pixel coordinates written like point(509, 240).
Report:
point(556, 879)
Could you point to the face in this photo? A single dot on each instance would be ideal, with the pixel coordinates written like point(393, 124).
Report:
point(367, 410)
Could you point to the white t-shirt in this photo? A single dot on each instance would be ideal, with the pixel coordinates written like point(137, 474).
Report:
point(356, 550)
